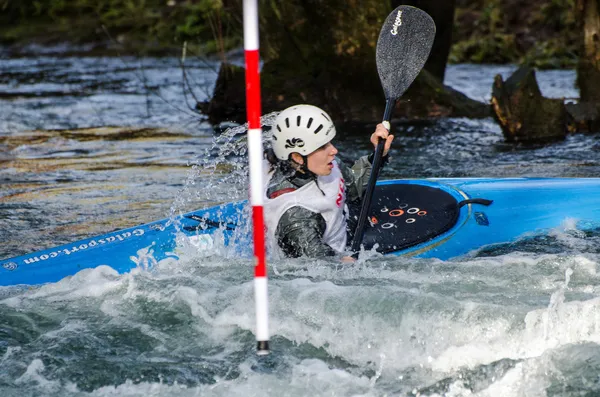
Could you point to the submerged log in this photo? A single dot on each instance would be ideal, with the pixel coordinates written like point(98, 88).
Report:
point(583, 116)
point(228, 101)
point(523, 113)
point(427, 97)
point(281, 88)
point(323, 53)
point(349, 100)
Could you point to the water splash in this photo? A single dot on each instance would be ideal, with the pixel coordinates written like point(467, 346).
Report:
point(222, 169)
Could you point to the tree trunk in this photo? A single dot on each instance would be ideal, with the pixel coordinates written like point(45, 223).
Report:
point(523, 113)
point(442, 12)
point(588, 68)
point(322, 52)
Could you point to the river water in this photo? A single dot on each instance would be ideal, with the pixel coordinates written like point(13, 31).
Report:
point(518, 322)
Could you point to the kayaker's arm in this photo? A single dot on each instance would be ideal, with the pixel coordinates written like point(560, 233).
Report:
point(357, 176)
point(300, 232)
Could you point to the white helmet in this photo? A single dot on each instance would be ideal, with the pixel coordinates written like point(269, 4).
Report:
point(302, 129)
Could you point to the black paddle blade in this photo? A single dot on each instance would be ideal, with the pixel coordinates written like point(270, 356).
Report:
point(403, 47)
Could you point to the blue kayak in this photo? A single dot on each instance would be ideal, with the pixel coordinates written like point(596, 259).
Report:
point(433, 218)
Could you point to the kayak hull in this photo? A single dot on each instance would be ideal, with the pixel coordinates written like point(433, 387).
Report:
point(519, 207)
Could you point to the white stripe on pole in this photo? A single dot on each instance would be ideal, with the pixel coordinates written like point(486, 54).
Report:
point(262, 316)
point(250, 25)
point(255, 150)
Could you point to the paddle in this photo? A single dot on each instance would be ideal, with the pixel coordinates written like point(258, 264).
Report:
point(403, 47)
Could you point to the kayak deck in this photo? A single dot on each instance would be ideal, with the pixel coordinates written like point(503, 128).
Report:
point(448, 229)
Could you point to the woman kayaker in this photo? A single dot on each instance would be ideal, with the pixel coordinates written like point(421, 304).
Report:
point(307, 190)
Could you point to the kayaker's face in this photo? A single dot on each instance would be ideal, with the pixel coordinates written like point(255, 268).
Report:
point(320, 161)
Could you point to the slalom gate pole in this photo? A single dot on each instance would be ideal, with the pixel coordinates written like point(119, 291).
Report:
point(255, 155)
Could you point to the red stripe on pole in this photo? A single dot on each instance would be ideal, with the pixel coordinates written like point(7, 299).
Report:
point(252, 89)
point(260, 269)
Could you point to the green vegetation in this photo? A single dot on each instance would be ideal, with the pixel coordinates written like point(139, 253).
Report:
point(137, 25)
point(541, 33)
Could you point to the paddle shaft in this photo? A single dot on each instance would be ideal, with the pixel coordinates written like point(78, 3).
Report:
point(390, 103)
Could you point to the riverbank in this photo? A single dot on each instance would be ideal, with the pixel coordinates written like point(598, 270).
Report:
point(118, 27)
point(539, 33)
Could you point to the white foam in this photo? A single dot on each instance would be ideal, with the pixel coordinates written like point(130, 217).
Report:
point(383, 317)
point(308, 377)
point(525, 379)
point(33, 378)
point(94, 282)
point(10, 350)
point(542, 330)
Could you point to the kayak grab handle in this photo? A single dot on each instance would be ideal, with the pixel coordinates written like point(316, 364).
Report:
point(481, 201)
point(207, 222)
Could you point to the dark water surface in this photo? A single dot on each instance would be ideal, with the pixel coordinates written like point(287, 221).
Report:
point(519, 321)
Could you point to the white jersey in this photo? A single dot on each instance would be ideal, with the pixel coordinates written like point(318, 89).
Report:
point(332, 206)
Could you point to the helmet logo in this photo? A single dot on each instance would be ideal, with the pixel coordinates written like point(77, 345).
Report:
point(294, 142)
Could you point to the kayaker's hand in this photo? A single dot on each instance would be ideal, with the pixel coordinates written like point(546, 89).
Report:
point(348, 259)
point(382, 133)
